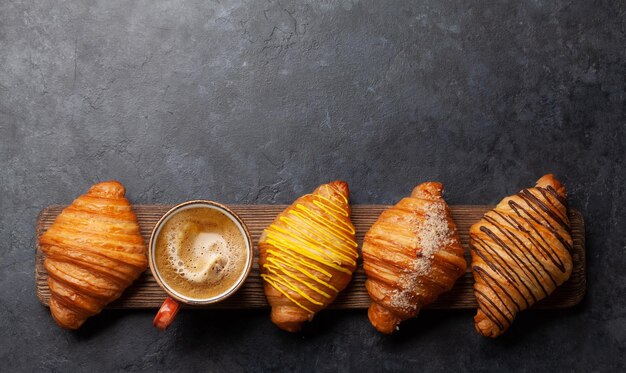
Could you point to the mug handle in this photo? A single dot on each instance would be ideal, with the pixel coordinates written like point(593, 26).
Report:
point(166, 313)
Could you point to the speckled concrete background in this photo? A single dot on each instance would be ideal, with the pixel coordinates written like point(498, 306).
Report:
point(259, 102)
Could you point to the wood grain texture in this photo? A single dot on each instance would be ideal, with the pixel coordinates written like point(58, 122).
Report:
point(145, 293)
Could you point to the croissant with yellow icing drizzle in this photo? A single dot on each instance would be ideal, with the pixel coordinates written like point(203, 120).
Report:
point(520, 254)
point(307, 255)
point(411, 255)
point(93, 252)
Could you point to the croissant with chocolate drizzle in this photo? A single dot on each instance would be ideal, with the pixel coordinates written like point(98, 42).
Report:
point(520, 254)
point(307, 255)
point(411, 255)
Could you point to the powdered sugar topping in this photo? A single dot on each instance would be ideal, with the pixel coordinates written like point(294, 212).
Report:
point(433, 234)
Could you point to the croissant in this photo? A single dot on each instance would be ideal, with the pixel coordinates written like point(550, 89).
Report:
point(520, 254)
point(411, 255)
point(307, 255)
point(94, 251)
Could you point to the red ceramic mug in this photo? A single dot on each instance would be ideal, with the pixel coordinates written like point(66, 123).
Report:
point(175, 298)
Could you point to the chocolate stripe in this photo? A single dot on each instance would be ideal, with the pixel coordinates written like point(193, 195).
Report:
point(528, 271)
point(517, 250)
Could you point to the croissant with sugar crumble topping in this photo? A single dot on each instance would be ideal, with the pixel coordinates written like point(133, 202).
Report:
point(411, 255)
point(307, 255)
point(94, 251)
point(520, 254)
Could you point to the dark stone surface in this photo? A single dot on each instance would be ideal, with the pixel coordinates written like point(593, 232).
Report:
point(259, 102)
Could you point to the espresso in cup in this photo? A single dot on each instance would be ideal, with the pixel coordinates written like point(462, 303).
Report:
point(200, 253)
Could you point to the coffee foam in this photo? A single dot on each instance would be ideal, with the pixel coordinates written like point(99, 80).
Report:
point(200, 256)
point(200, 253)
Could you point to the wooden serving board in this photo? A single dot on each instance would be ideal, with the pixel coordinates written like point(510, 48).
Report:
point(145, 293)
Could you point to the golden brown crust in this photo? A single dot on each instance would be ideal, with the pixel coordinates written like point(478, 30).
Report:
point(94, 251)
point(520, 254)
point(411, 255)
point(307, 255)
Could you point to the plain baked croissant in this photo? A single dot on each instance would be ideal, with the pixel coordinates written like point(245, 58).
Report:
point(308, 254)
point(520, 254)
point(411, 255)
point(94, 251)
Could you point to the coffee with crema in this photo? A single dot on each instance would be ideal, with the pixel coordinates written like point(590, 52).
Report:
point(200, 253)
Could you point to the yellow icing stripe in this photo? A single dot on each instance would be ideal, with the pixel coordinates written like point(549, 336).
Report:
point(275, 269)
point(330, 206)
point(292, 286)
point(304, 242)
point(347, 249)
point(330, 230)
point(345, 199)
point(283, 245)
point(280, 262)
point(304, 237)
point(272, 282)
point(321, 229)
point(323, 220)
point(301, 261)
